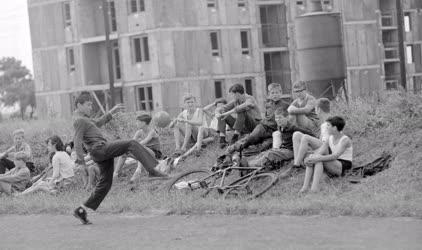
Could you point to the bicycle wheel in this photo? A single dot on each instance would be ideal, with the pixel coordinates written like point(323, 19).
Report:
point(190, 181)
point(251, 187)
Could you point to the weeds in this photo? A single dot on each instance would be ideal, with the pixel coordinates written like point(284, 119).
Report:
point(388, 122)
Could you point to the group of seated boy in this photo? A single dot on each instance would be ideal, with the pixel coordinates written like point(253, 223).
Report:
point(302, 131)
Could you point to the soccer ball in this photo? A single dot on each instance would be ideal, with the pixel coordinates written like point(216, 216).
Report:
point(161, 119)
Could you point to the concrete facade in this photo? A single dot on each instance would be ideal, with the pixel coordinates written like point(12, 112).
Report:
point(163, 49)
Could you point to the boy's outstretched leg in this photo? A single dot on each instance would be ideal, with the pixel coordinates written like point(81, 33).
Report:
point(138, 151)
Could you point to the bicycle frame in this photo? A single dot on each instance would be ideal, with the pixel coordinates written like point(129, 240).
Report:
point(220, 186)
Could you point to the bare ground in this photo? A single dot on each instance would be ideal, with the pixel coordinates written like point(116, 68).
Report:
point(157, 231)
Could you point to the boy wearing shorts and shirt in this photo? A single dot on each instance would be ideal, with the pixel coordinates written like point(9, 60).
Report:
point(219, 103)
point(334, 156)
point(303, 144)
point(190, 124)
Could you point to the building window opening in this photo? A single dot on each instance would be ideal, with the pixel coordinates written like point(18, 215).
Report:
point(218, 86)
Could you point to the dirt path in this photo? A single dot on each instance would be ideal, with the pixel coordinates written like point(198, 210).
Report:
point(209, 232)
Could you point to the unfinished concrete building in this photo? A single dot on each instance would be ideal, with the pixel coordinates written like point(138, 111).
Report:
point(163, 49)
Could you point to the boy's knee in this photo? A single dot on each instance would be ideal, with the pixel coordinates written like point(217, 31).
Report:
point(297, 135)
point(306, 138)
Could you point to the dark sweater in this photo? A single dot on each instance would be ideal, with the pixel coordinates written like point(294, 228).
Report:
point(287, 135)
point(87, 133)
point(269, 119)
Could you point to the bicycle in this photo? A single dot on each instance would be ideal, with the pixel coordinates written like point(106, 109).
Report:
point(253, 180)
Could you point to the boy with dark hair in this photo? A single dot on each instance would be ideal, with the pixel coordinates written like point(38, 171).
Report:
point(19, 146)
point(102, 151)
point(62, 176)
point(277, 155)
point(302, 109)
point(334, 156)
point(246, 109)
point(302, 144)
point(16, 179)
point(268, 125)
point(151, 142)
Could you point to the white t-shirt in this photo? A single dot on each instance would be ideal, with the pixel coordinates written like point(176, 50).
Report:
point(324, 132)
point(197, 117)
point(348, 152)
point(62, 166)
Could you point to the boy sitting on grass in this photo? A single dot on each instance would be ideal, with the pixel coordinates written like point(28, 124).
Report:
point(302, 144)
point(17, 178)
point(284, 152)
point(203, 132)
point(262, 133)
point(247, 114)
point(189, 125)
point(151, 142)
point(62, 166)
point(19, 146)
point(302, 109)
point(334, 156)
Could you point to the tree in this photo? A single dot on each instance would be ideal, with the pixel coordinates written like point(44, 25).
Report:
point(16, 85)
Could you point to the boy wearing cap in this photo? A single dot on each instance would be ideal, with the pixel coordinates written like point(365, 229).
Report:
point(19, 146)
point(16, 179)
point(302, 109)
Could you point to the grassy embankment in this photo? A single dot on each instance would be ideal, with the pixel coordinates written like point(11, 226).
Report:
point(391, 122)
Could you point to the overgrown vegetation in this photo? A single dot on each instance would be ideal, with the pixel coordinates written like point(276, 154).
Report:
point(389, 122)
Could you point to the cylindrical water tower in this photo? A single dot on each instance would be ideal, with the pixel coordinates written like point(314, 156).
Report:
point(319, 47)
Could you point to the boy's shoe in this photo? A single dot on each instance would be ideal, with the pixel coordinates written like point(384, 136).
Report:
point(223, 142)
point(234, 139)
point(81, 214)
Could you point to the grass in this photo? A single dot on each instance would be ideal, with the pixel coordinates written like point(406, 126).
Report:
point(390, 122)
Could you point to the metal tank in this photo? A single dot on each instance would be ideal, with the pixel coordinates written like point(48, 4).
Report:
point(319, 47)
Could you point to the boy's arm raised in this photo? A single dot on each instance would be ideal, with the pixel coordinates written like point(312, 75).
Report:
point(109, 115)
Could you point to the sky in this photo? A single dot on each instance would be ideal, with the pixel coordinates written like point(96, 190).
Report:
point(15, 38)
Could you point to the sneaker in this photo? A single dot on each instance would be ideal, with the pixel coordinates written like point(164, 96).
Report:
point(234, 139)
point(81, 214)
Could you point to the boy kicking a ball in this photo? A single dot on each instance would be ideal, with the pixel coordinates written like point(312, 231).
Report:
point(103, 152)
